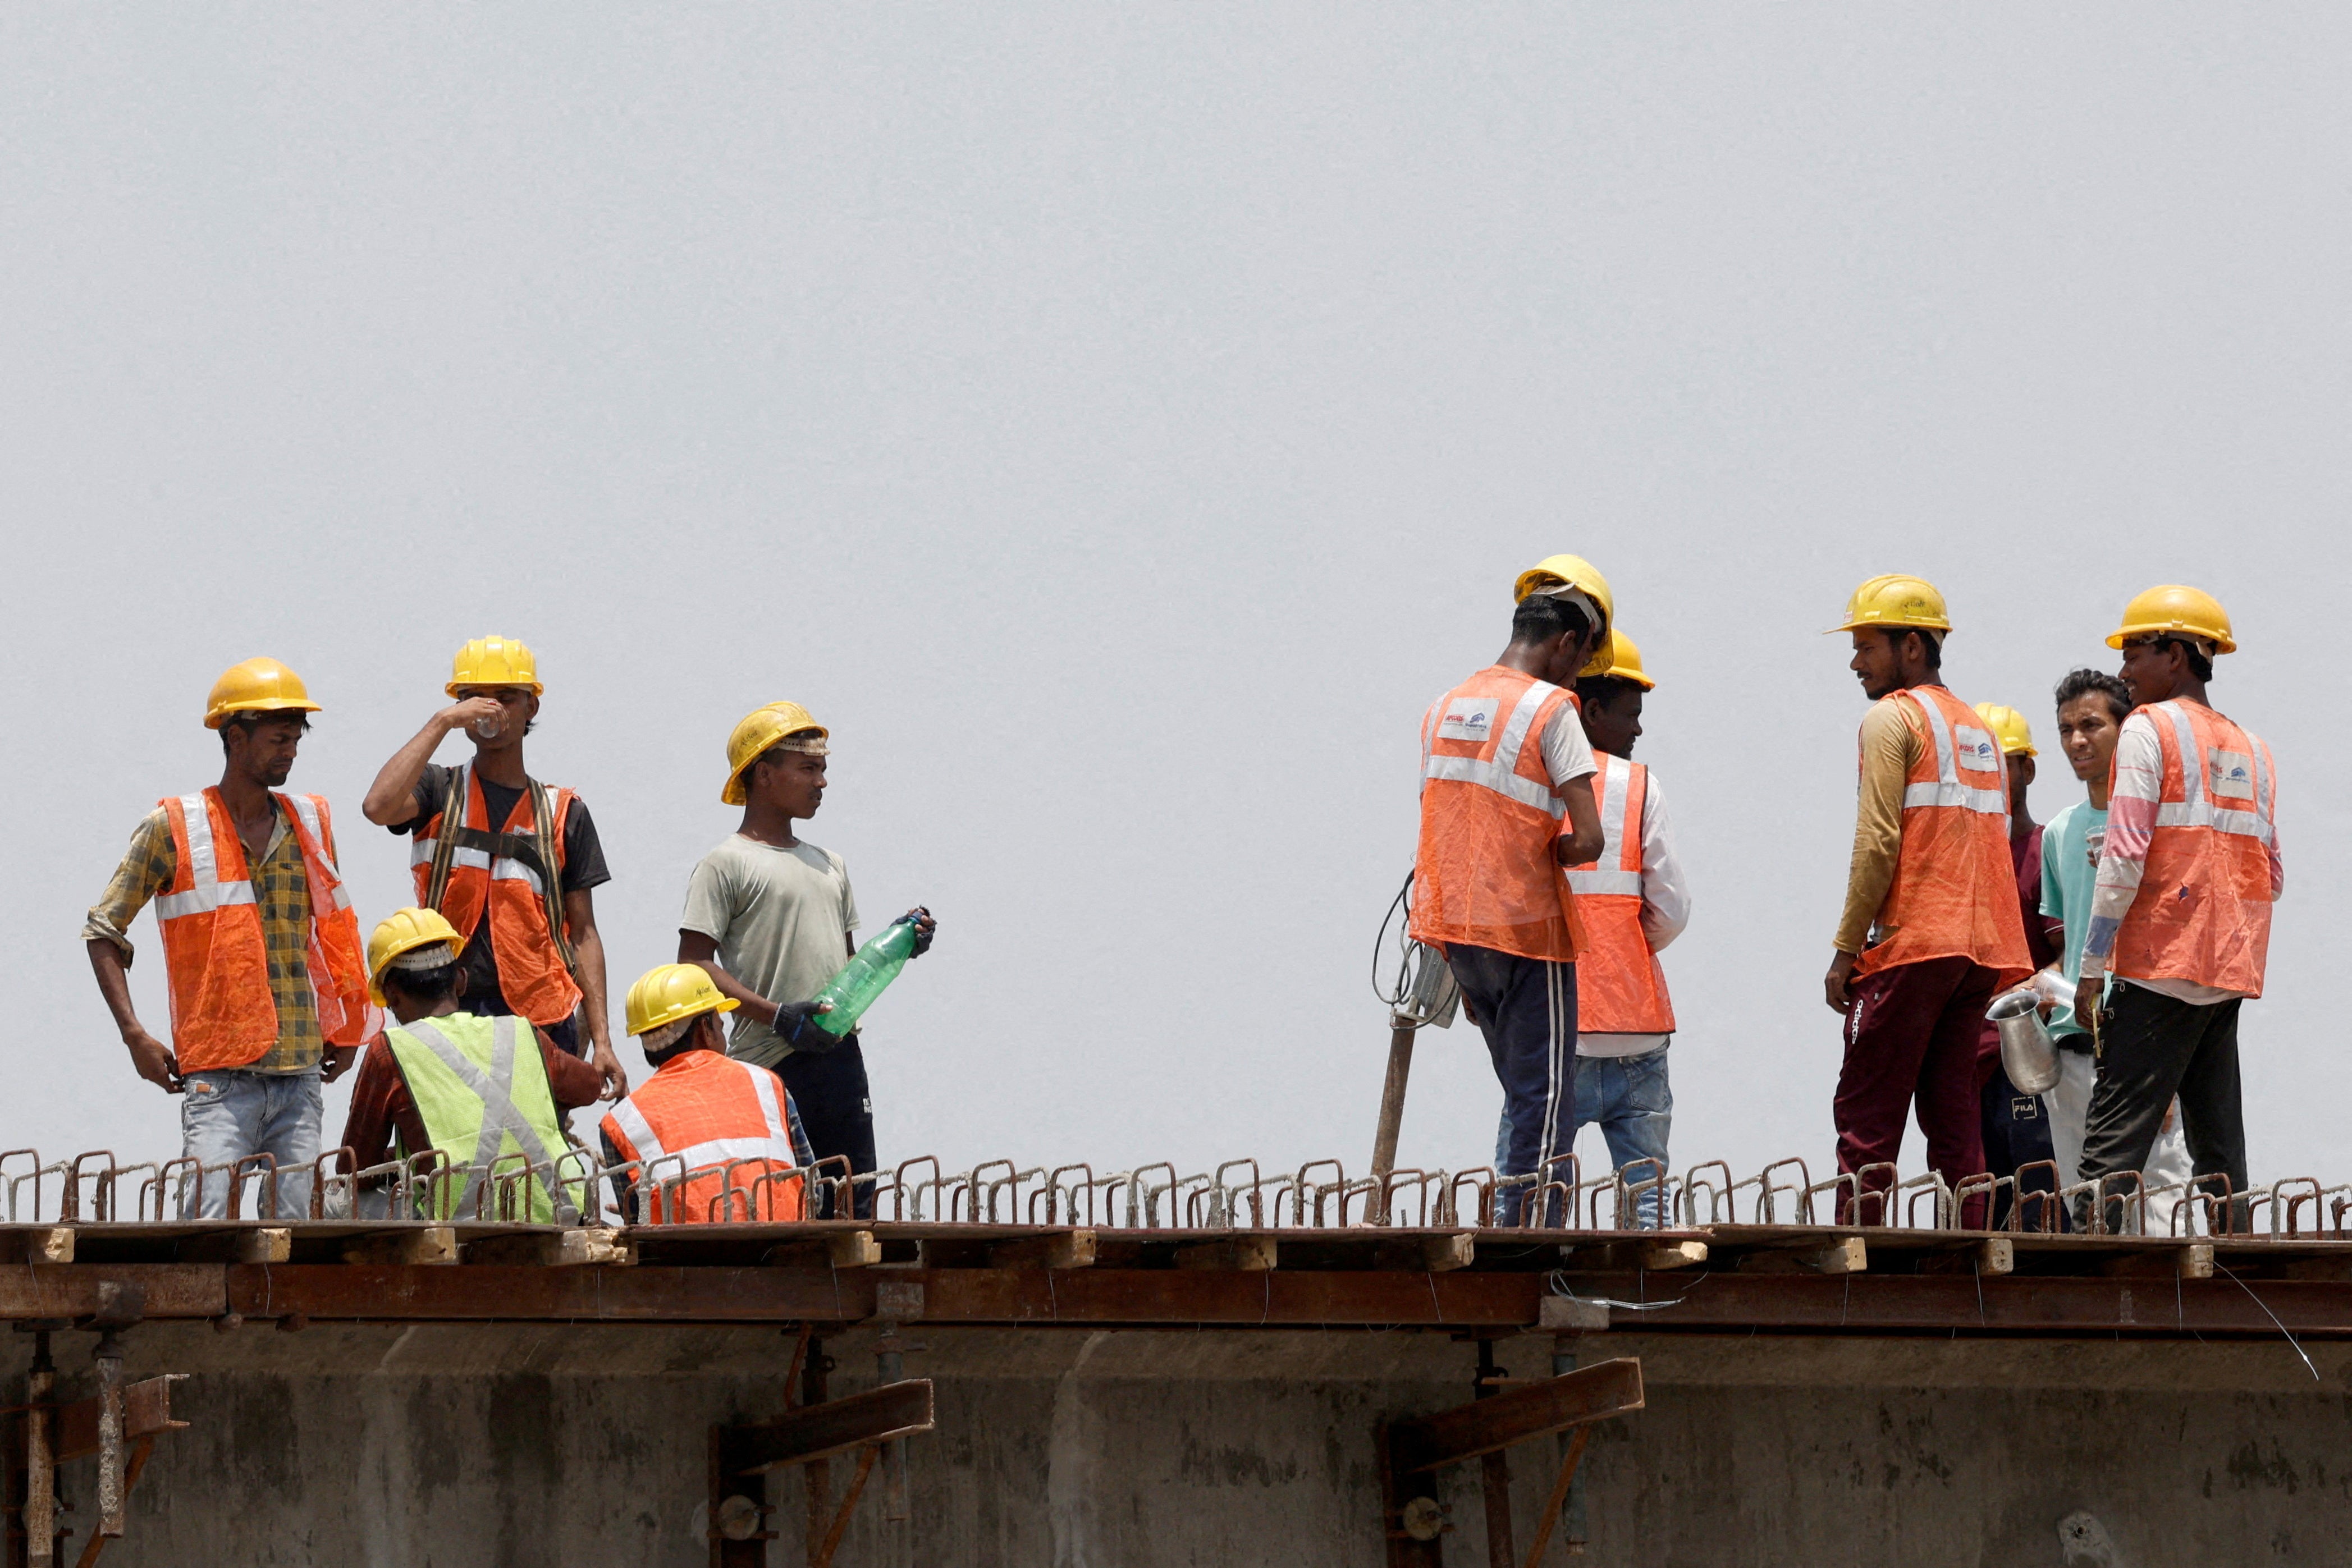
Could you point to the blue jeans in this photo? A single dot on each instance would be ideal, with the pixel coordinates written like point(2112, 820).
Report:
point(1630, 1097)
point(227, 1115)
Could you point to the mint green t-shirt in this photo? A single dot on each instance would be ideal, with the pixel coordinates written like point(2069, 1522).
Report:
point(2070, 868)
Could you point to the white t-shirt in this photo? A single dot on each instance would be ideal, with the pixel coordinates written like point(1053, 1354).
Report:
point(782, 919)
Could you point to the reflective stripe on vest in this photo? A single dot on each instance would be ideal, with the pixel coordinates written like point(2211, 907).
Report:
point(693, 1115)
point(1484, 871)
point(776, 1145)
point(2198, 809)
point(215, 955)
point(503, 869)
point(1620, 987)
point(1954, 892)
point(501, 1119)
point(2202, 910)
point(1947, 788)
point(502, 898)
point(1618, 870)
point(209, 892)
point(1501, 773)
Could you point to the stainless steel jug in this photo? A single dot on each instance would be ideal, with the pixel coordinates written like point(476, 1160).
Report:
point(2028, 1054)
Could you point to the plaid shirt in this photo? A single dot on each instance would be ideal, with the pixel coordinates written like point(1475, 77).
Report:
point(281, 891)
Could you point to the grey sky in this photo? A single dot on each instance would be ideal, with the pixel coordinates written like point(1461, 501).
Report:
point(1117, 424)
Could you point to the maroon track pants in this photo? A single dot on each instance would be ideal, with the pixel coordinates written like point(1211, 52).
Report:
point(1915, 1032)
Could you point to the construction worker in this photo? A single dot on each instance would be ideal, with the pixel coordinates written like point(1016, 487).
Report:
point(260, 948)
point(2092, 707)
point(484, 1091)
point(531, 943)
point(2015, 1125)
point(706, 1138)
point(1502, 811)
point(771, 918)
point(1931, 930)
point(2181, 915)
point(1633, 902)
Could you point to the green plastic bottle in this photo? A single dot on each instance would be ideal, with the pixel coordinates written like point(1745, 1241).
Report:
point(866, 977)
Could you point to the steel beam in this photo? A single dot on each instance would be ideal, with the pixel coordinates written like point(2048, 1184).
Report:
point(146, 1413)
point(1488, 1425)
point(819, 1431)
point(1706, 1300)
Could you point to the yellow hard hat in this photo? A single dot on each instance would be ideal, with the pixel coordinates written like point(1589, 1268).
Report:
point(758, 731)
point(668, 992)
point(1895, 601)
point(258, 685)
point(1560, 574)
point(1557, 571)
point(2009, 727)
point(494, 661)
point(1619, 658)
point(2172, 608)
point(404, 931)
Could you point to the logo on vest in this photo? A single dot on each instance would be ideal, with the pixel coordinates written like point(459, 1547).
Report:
point(1977, 749)
point(2230, 773)
point(1469, 719)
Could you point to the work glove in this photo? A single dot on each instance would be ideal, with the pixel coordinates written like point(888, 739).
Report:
point(795, 1025)
point(925, 928)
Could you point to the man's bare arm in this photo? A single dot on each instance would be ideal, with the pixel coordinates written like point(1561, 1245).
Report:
point(151, 1056)
point(391, 798)
point(1581, 844)
point(699, 948)
point(588, 945)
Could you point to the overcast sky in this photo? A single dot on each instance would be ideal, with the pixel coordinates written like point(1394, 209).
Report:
point(1117, 424)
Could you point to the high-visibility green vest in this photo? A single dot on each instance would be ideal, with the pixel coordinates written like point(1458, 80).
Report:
point(481, 1087)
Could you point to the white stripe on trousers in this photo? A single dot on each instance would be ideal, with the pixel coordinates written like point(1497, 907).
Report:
point(1547, 1149)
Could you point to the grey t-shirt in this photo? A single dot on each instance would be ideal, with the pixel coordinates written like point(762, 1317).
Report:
point(781, 918)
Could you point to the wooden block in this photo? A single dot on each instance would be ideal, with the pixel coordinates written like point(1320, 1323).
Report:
point(1071, 1249)
point(852, 1249)
point(2194, 1261)
point(262, 1244)
point(1845, 1255)
point(1673, 1254)
point(1989, 1258)
point(1248, 1254)
point(571, 1247)
point(408, 1244)
point(1567, 1315)
point(1439, 1254)
point(37, 1244)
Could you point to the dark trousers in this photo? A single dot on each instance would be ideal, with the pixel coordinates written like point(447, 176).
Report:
point(837, 1112)
point(1915, 1032)
point(2017, 1135)
point(1527, 1009)
point(2152, 1047)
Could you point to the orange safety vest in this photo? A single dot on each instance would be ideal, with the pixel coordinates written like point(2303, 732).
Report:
point(705, 1125)
point(1485, 874)
point(215, 955)
point(533, 975)
point(1620, 990)
point(1955, 888)
point(2203, 910)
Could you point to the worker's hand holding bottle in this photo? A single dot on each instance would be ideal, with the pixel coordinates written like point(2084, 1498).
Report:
point(153, 1059)
point(485, 717)
point(925, 929)
point(795, 1025)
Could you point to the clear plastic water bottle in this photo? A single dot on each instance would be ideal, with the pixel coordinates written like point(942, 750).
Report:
point(866, 977)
